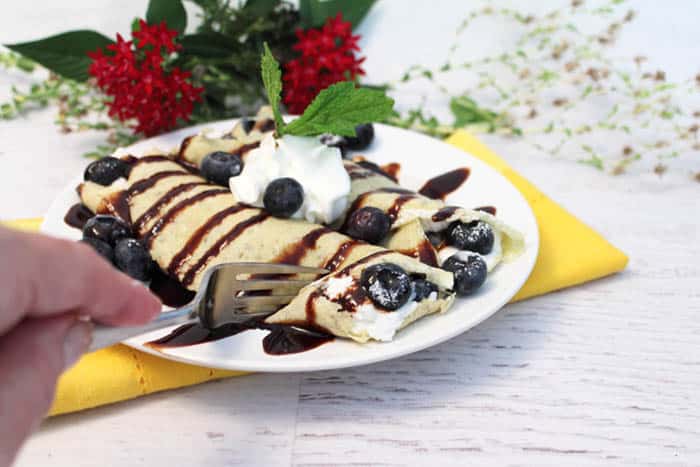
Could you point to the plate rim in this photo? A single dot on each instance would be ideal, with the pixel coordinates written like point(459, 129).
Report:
point(531, 253)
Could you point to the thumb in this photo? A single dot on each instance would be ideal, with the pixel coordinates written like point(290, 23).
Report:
point(32, 356)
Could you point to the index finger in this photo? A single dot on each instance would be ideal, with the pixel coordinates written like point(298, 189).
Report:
point(45, 276)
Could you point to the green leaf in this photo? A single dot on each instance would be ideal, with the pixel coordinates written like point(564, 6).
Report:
point(171, 11)
point(339, 108)
point(466, 112)
point(272, 80)
point(64, 54)
point(209, 45)
point(260, 7)
point(314, 13)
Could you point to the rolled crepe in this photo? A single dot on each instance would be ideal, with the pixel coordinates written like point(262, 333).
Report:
point(245, 135)
point(412, 214)
point(189, 225)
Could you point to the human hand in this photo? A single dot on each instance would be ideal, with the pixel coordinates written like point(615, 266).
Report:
point(47, 288)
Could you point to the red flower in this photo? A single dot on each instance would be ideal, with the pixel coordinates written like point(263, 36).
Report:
point(139, 87)
point(327, 57)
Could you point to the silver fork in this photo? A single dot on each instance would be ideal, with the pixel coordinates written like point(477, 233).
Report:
point(219, 300)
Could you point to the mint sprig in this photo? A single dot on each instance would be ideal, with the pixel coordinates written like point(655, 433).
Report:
point(338, 109)
point(272, 80)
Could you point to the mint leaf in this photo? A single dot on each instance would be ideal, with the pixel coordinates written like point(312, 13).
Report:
point(64, 54)
point(339, 108)
point(272, 79)
point(171, 11)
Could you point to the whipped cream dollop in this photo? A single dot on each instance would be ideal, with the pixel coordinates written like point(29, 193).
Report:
point(318, 168)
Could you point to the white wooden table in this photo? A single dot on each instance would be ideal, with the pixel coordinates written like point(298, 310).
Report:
point(604, 373)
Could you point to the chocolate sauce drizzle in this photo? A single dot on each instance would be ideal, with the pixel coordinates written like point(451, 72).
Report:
point(155, 209)
point(78, 215)
point(340, 255)
point(442, 185)
point(426, 253)
point(174, 211)
point(490, 209)
point(406, 195)
point(294, 253)
point(198, 235)
point(220, 244)
point(444, 213)
point(392, 170)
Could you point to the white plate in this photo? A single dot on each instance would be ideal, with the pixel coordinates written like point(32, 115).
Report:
point(421, 157)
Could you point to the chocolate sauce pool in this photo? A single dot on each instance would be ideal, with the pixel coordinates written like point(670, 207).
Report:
point(282, 339)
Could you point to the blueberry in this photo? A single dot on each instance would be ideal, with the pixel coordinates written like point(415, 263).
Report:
point(131, 257)
point(219, 166)
point(474, 236)
point(369, 224)
point(423, 288)
point(335, 142)
point(106, 170)
point(103, 248)
point(109, 229)
point(364, 134)
point(388, 285)
point(283, 197)
point(469, 272)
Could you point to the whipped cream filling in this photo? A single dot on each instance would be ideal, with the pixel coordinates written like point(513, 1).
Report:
point(379, 324)
point(382, 324)
point(492, 259)
point(318, 168)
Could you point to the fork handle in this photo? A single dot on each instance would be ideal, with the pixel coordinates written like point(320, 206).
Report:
point(105, 336)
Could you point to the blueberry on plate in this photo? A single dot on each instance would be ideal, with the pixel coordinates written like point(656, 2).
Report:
point(132, 258)
point(283, 197)
point(369, 224)
point(109, 229)
point(106, 170)
point(219, 166)
point(103, 248)
point(474, 236)
point(364, 134)
point(387, 285)
point(469, 272)
point(423, 288)
point(335, 142)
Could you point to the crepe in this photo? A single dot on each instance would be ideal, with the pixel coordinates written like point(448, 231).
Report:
point(189, 225)
point(413, 215)
point(244, 136)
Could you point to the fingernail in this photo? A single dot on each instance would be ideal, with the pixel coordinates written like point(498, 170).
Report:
point(77, 341)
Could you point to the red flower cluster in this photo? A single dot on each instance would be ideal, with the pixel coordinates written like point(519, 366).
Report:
point(327, 56)
point(139, 86)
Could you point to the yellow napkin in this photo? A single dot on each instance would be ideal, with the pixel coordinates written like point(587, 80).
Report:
point(570, 253)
